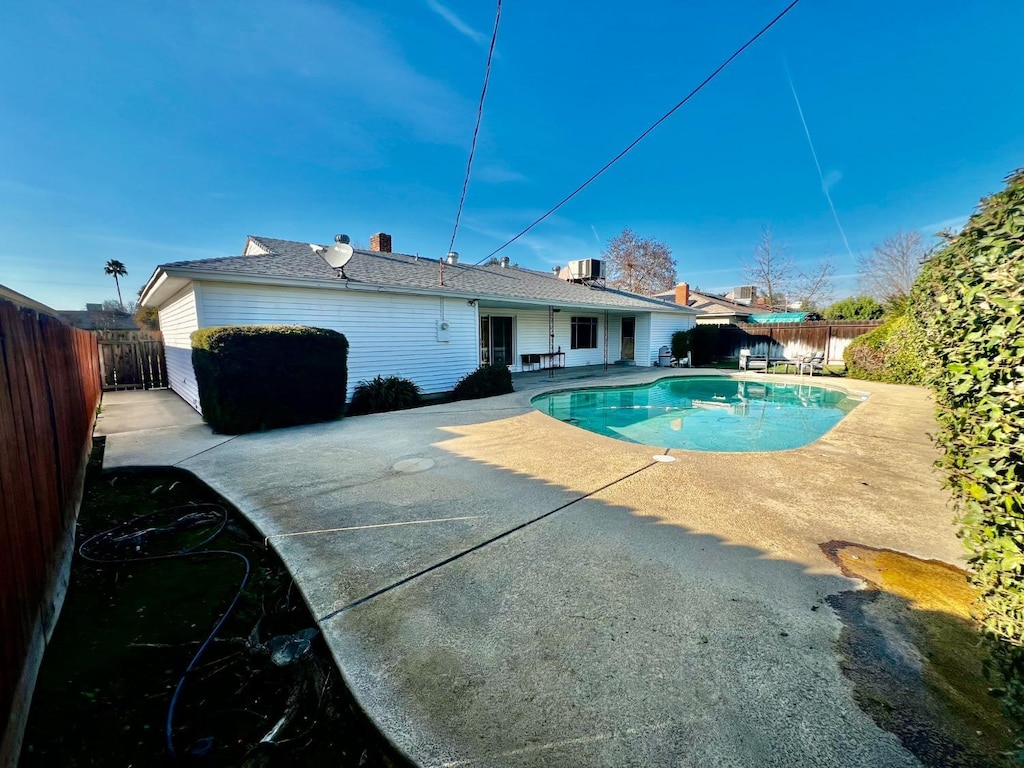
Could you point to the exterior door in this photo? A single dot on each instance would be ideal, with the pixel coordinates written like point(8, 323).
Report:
point(496, 340)
point(628, 338)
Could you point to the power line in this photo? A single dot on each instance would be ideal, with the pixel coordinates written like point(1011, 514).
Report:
point(476, 129)
point(643, 135)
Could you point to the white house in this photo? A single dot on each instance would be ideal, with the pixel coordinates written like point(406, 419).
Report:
point(428, 321)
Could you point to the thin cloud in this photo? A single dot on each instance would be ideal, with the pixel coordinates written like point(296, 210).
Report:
point(831, 179)
point(956, 224)
point(456, 23)
point(497, 174)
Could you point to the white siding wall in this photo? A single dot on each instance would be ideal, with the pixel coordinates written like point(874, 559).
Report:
point(388, 334)
point(178, 318)
point(663, 325)
point(643, 341)
point(531, 335)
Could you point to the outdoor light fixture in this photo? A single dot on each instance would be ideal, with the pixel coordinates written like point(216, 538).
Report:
point(472, 302)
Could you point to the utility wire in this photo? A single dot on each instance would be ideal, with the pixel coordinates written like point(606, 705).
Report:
point(476, 129)
point(643, 135)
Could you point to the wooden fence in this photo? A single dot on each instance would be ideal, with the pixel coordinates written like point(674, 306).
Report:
point(49, 391)
point(791, 340)
point(132, 359)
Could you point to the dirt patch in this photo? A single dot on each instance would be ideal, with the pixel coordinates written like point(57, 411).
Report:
point(264, 693)
point(915, 658)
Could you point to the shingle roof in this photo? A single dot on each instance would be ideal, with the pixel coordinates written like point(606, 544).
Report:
point(710, 303)
point(291, 260)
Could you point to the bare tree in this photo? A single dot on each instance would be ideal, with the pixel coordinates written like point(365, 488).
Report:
point(639, 264)
point(815, 288)
point(781, 282)
point(889, 272)
point(771, 270)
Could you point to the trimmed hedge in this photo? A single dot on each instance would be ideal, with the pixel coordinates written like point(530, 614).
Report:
point(681, 343)
point(485, 381)
point(384, 393)
point(703, 344)
point(892, 352)
point(255, 377)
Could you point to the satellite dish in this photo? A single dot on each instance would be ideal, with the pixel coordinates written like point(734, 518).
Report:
point(338, 255)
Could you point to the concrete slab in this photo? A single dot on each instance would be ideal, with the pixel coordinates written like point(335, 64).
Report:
point(138, 409)
point(501, 588)
point(151, 428)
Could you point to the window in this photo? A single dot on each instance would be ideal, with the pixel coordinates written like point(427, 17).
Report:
point(584, 333)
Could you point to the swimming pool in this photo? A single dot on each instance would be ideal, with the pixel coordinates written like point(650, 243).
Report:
point(705, 413)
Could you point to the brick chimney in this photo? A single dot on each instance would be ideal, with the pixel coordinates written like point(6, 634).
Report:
point(683, 294)
point(380, 242)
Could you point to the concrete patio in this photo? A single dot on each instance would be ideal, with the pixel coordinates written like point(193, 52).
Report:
point(503, 589)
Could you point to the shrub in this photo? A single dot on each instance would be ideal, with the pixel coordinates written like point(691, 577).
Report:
point(262, 377)
point(892, 352)
point(975, 336)
point(485, 381)
point(855, 308)
point(703, 344)
point(389, 393)
point(681, 344)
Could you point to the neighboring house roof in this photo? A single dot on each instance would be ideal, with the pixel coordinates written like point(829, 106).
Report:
point(24, 301)
point(89, 320)
point(286, 262)
point(710, 303)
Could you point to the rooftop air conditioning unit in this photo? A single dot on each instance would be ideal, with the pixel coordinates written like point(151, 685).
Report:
point(586, 269)
point(744, 294)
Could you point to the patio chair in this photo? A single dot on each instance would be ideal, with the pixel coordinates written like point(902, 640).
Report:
point(811, 363)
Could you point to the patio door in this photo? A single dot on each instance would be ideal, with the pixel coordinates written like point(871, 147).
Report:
point(628, 349)
point(496, 334)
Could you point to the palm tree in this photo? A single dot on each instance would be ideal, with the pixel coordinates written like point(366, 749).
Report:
point(117, 269)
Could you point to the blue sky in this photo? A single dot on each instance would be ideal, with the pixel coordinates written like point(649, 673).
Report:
point(152, 132)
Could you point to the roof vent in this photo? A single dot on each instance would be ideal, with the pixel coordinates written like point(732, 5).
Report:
point(504, 262)
point(342, 239)
point(453, 257)
point(556, 270)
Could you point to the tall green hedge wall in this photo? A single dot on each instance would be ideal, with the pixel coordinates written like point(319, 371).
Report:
point(255, 377)
point(973, 290)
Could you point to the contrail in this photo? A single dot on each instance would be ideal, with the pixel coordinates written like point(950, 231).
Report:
point(814, 154)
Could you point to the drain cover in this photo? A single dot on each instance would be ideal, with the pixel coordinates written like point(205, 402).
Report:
point(409, 466)
point(663, 458)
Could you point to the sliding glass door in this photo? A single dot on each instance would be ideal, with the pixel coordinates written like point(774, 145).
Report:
point(496, 340)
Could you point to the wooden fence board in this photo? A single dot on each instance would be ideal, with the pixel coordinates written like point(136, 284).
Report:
point(132, 360)
point(49, 390)
point(791, 340)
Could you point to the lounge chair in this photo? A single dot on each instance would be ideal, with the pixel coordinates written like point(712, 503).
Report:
point(811, 363)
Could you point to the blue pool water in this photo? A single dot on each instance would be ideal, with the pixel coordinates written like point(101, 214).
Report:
point(705, 413)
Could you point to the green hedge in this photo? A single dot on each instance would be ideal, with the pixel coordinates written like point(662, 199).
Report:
point(974, 287)
point(254, 377)
point(892, 352)
point(703, 344)
point(485, 381)
point(681, 342)
point(384, 393)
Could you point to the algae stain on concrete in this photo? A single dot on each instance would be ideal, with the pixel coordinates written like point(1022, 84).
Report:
point(916, 659)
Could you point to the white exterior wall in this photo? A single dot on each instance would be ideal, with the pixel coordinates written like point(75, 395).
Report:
point(178, 318)
point(662, 326)
point(531, 335)
point(643, 341)
point(388, 334)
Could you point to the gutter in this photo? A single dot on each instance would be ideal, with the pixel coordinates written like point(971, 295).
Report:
point(338, 284)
